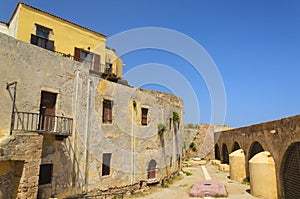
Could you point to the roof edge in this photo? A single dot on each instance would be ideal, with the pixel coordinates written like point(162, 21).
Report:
point(37, 9)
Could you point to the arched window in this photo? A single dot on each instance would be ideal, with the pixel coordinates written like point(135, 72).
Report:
point(151, 169)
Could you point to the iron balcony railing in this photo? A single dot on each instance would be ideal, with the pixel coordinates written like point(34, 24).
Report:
point(34, 122)
point(93, 66)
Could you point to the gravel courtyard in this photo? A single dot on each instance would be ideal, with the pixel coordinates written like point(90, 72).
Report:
point(180, 188)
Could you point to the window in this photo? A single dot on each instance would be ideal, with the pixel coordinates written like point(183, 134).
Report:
point(43, 31)
point(171, 161)
point(41, 38)
point(107, 111)
point(45, 174)
point(144, 116)
point(92, 59)
point(106, 164)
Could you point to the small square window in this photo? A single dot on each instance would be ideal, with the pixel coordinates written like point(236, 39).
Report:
point(106, 164)
point(45, 174)
point(144, 116)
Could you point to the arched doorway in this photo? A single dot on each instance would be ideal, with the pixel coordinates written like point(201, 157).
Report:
point(151, 169)
point(255, 149)
point(290, 172)
point(225, 155)
point(235, 146)
point(217, 152)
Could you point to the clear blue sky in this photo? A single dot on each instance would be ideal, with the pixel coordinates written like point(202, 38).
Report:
point(255, 45)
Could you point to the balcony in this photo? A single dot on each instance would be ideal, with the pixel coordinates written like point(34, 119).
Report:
point(42, 42)
point(34, 122)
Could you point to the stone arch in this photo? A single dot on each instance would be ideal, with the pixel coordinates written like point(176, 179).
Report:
point(217, 152)
point(225, 154)
point(255, 148)
point(290, 171)
point(235, 146)
point(152, 169)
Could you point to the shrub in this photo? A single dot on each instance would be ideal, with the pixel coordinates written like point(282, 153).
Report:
point(176, 117)
point(193, 146)
point(161, 129)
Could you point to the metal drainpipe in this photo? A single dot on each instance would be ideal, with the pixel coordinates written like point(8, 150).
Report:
point(86, 181)
point(13, 105)
point(133, 144)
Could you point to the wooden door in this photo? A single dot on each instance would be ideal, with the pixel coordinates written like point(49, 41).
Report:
point(47, 111)
point(152, 169)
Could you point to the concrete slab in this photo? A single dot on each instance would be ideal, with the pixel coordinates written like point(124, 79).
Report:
point(208, 188)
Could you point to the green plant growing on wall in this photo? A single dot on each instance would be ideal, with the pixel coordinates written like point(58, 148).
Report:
point(193, 146)
point(161, 129)
point(176, 117)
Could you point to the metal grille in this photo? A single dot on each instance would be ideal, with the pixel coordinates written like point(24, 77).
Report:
point(291, 172)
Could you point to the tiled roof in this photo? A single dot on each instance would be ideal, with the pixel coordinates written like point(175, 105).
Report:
point(53, 16)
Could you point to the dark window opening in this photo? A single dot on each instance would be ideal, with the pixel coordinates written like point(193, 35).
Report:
point(144, 116)
point(43, 31)
point(171, 161)
point(45, 174)
point(106, 164)
point(170, 124)
point(107, 111)
point(41, 38)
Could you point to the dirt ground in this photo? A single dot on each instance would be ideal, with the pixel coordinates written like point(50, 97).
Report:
point(180, 188)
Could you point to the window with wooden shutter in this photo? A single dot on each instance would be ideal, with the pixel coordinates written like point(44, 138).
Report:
point(144, 116)
point(107, 111)
point(97, 63)
point(77, 53)
point(106, 164)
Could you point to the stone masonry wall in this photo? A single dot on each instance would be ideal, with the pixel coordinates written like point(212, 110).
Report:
point(25, 147)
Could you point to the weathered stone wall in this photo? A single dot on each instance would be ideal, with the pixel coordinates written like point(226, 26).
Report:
point(77, 160)
point(22, 147)
point(275, 136)
point(202, 136)
point(132, 145)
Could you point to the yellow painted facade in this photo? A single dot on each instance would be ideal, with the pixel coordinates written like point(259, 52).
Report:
point(66, 35)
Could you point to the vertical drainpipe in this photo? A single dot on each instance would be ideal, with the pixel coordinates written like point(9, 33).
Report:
point(133, 144)
point(87, 138)
point(73, 180)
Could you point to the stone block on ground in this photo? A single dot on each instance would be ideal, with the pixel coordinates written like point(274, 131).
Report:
point(224, 167)
point(215, 162)
point(208, 188)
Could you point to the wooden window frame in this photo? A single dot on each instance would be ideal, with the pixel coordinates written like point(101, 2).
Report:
point(107, 111)
point(144, 116)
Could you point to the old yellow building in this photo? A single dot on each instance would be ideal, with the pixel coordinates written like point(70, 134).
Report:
point(70, 130)
point(53, 33)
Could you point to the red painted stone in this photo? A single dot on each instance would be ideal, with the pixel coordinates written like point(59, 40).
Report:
point(208, 188)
